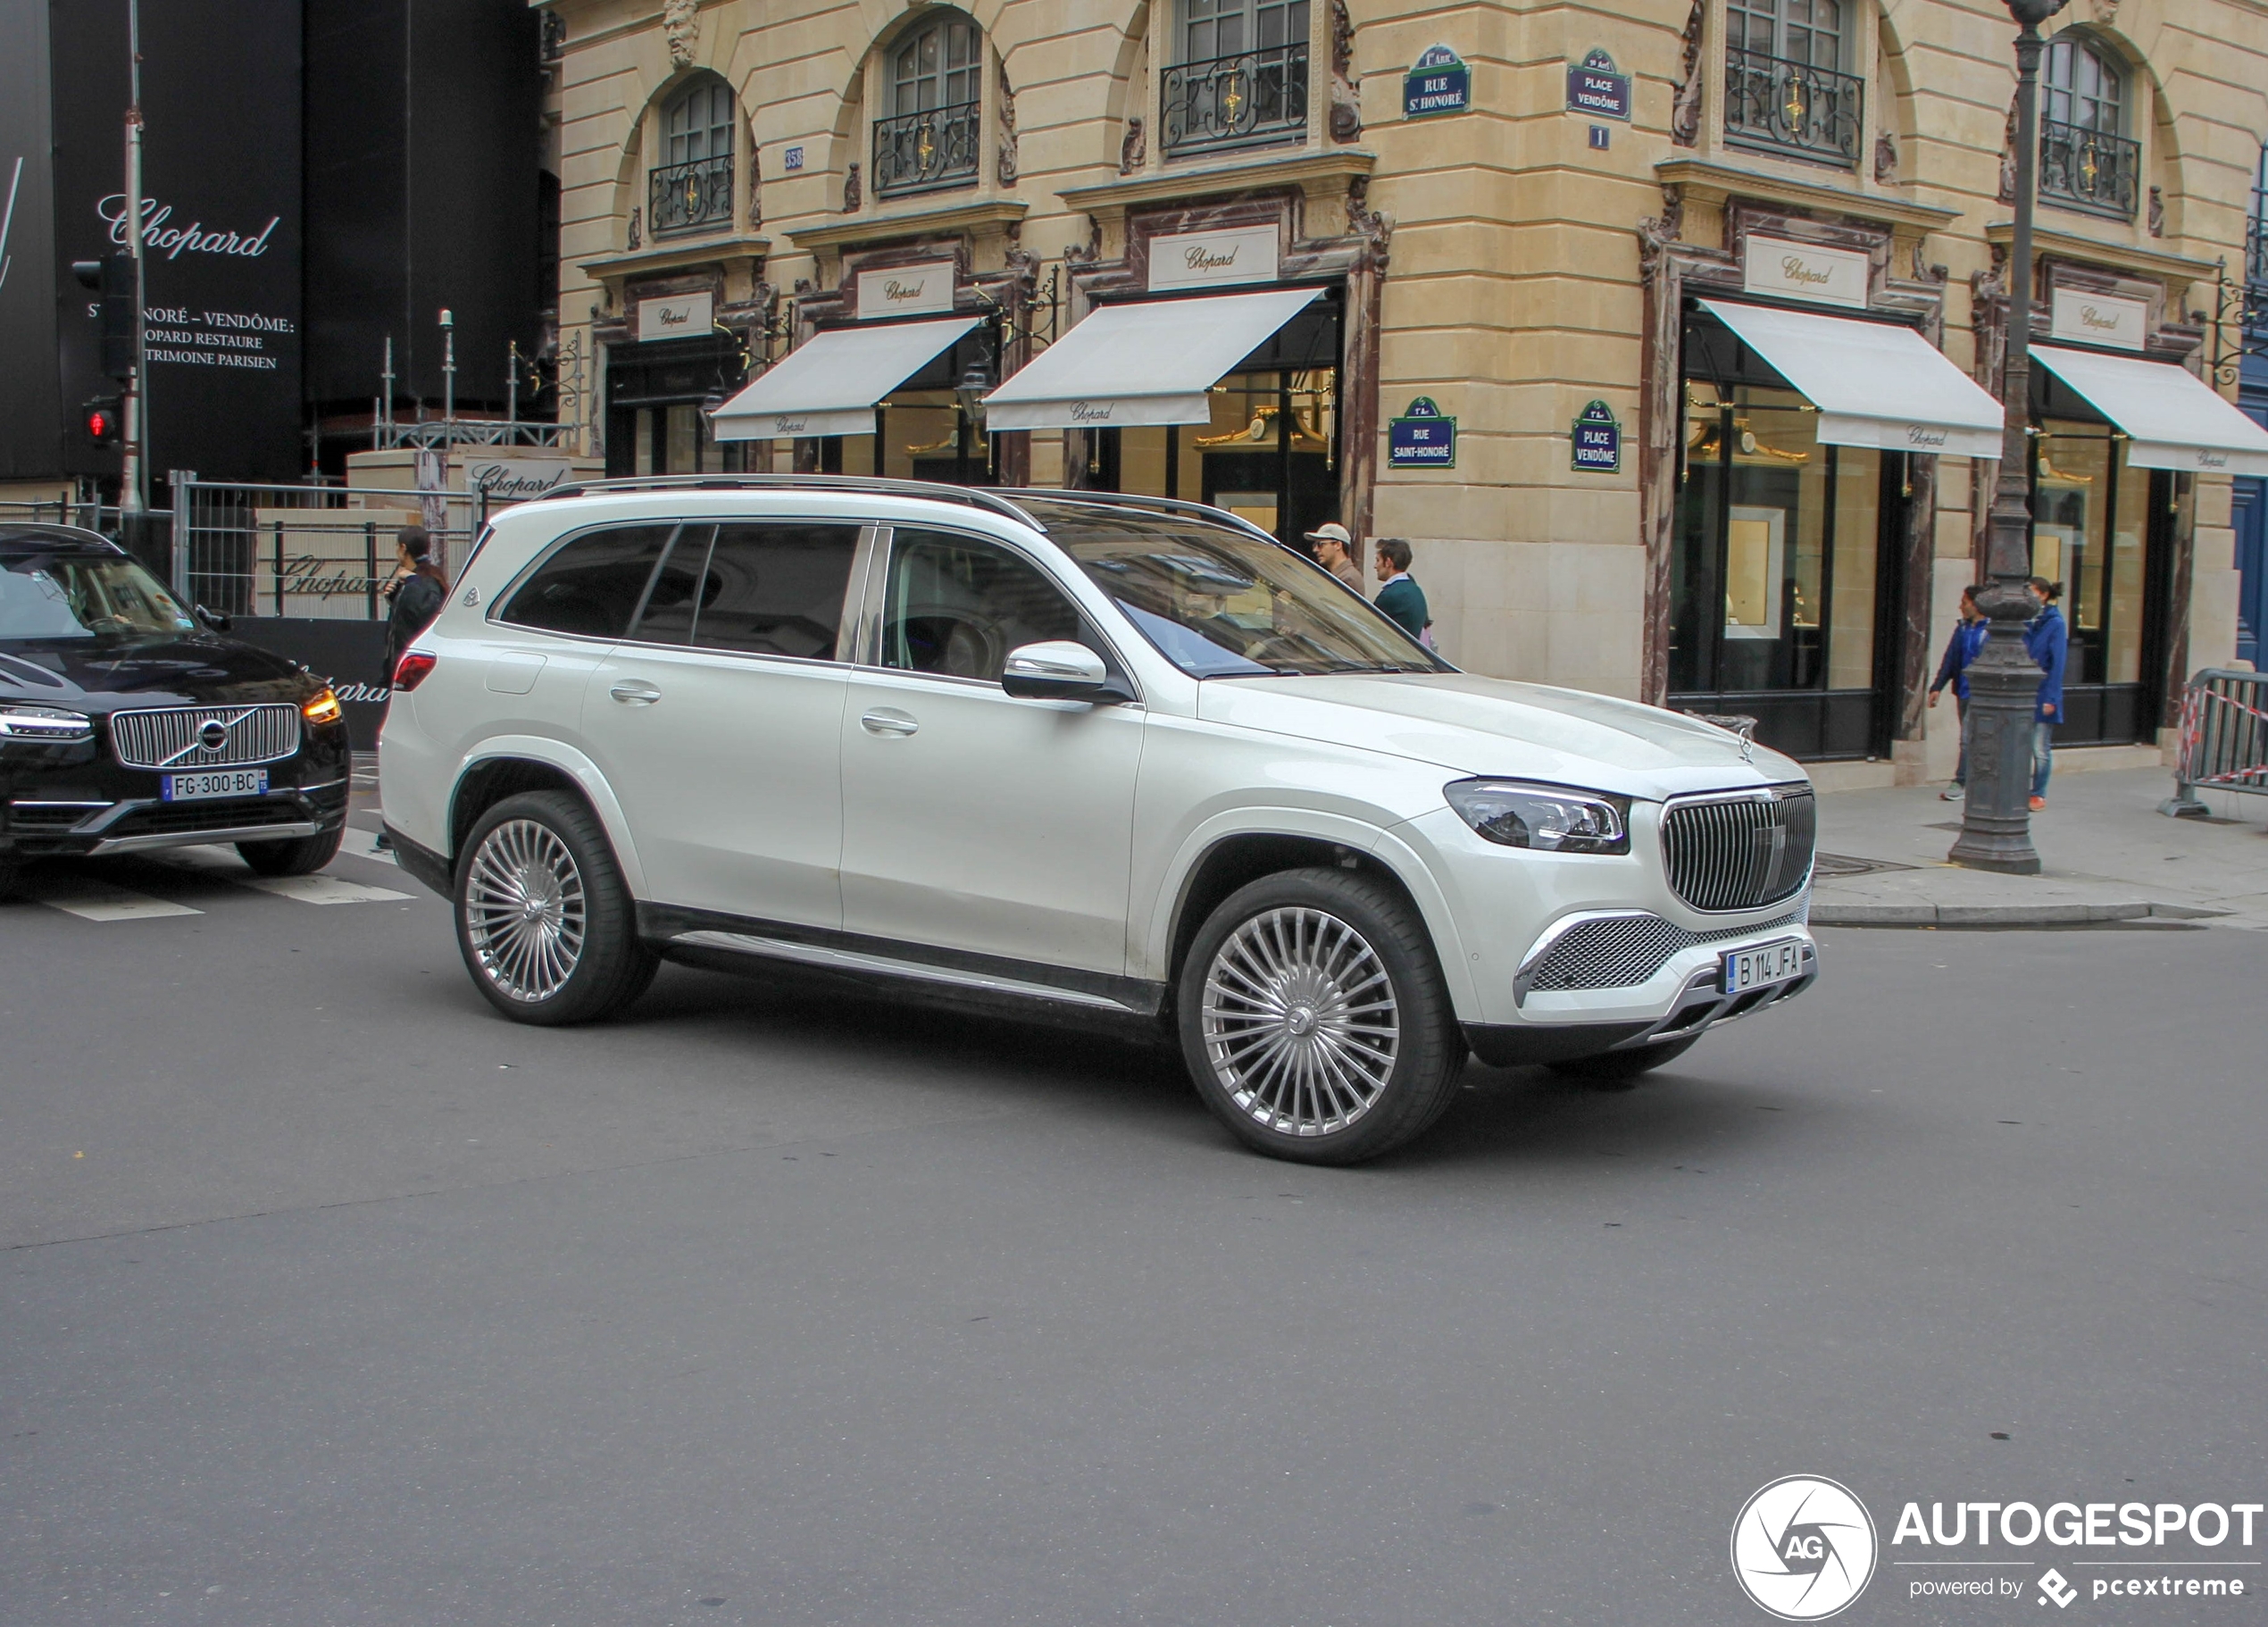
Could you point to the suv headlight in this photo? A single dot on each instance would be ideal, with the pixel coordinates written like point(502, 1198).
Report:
point(48, 723)
point(1552, 817)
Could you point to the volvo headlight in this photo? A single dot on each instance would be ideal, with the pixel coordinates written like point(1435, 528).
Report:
point(1552, 817)
point(48, 723)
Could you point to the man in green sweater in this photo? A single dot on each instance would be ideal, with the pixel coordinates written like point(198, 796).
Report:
point(1399, 596)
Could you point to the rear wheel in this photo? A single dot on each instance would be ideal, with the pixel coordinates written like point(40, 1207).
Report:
point(1314, 1019)
point(546, 925)
point(1620, 1070)
point(9, 872)
point(301, 856)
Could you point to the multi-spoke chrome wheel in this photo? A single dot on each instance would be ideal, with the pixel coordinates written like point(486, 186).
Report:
point(525, 913)
point(1299, 1021)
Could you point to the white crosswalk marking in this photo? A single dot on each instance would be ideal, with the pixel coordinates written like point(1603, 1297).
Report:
point(320, 889)
point(93, 900)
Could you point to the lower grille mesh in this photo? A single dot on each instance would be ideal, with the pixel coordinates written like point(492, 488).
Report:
point(1623, 950)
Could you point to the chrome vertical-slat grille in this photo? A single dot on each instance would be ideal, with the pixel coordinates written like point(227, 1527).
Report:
point(1740, 851)
point(171, 739)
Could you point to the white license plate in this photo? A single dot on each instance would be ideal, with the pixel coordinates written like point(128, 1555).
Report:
point(220, 782)
point(1763, 965)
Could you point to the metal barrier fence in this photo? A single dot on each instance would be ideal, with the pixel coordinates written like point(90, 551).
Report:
point(324, 553)
point(2225, 739)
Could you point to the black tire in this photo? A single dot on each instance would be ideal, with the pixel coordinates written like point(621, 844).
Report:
point(1620, 1070)
point(546, 924)
point(1264, 1064)
point(9, 875)
point(300, 856)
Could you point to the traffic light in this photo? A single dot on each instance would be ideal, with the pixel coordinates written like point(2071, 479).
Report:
point(103, 420)
point(113, 277)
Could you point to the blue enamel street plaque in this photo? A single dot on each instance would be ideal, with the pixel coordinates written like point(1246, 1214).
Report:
point(1598, 441)
point(1595, 86)
point(1421, 438)
point(1438, 82)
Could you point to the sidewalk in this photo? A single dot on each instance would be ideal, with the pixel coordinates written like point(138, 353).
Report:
point(2109, 855)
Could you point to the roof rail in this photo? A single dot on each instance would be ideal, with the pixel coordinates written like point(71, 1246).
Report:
point(1124, 499)
point(975, 497)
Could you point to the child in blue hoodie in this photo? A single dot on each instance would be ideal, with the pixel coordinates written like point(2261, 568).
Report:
point(1961, 651)
point(2048, 642)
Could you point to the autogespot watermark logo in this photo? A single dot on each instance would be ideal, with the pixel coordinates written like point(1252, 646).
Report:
point(1803, 1547)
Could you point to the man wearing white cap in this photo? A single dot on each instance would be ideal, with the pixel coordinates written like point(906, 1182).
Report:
point(1334, 551)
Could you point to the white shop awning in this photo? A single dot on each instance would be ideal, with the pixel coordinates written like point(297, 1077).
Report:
point(2171, 418)
point(1875, 384)
point(1147, 363)
point(829, 384)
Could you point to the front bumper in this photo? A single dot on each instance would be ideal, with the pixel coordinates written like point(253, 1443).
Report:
point(76, 802)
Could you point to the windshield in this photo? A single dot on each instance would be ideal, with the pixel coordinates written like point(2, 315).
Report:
point(1219, 603)
point(83, 596)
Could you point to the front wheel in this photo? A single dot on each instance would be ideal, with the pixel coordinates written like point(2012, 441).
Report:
point(300, 856)
point(1315, 1021)
point(546, 925)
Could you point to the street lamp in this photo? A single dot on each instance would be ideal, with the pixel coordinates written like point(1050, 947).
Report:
point(2003, 682)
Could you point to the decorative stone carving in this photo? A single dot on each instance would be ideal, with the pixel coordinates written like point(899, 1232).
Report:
point(2105, 11)
point(853, 193)
point(2157, 211)
point(1685, 106)
point(2008, 158)
point(681, 27)
point(1656, 232)
point(1134, 147)
point(1087, 252)
point(1008, 168)
point(1346, 95)
point(637, 239)
point(1021, 260)
point(1374, 227)
point(756, 188)
point(805, 287)
point(1886, 159)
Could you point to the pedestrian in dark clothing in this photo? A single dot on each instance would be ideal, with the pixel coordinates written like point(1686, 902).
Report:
point(1961, 650)
point(1399, 596)
point(2048, 642)
point(416, 593)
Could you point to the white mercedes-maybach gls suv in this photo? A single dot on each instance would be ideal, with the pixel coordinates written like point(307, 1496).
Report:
point(1119, 761)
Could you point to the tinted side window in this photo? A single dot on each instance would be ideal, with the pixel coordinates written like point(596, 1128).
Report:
point(593, 585)
point(956, 607)
point(776, 589)
point(673, 601)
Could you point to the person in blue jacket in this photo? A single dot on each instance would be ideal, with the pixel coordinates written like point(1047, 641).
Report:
point(1961, 651)
point(2048, 642)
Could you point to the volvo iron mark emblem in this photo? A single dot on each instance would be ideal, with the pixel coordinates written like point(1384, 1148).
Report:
point(212, 734)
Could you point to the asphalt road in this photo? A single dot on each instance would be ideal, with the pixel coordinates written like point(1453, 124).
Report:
point(328, 1298)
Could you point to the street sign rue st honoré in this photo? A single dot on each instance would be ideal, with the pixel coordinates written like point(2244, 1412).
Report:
point(1422, 439)
point(1438, 82)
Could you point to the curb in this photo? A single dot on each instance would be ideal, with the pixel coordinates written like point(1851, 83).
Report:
point(1981, 915)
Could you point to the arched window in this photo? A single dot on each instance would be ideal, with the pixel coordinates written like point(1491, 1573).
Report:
point(933, 92)
point(2086, 161)
point(1787, 88)
point(1238, 77)
point(2084, 86)
point(691, 189)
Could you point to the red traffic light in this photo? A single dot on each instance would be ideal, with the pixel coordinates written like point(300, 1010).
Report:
point(102, 420)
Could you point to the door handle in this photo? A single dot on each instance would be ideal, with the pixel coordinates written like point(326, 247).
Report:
point(883, 721)
point(635, 692)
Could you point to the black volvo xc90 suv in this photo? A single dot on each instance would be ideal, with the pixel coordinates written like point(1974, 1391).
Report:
point(128, 723)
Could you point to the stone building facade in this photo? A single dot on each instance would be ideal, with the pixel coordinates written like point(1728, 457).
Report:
point(1547, 220)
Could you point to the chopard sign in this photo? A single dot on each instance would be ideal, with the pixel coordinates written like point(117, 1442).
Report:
point(1182, 260)
point(2099, 318)
point(1806, 270)
point(174, 241)
point(1922, 438)
point(1087, 411)
point(905, 290)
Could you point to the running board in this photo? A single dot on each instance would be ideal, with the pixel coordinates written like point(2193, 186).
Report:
point(853, 961)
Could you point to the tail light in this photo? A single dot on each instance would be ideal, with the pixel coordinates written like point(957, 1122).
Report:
point(411, 670)
point(322, 708)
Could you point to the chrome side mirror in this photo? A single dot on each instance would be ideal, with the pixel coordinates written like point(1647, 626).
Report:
point(1058, 669)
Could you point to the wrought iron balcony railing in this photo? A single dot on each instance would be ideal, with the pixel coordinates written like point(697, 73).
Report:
point(2257, 251)
point(695, 196)
point(917, 152)
point(2089, 169)
point(1255, 98)
point(1793, 109)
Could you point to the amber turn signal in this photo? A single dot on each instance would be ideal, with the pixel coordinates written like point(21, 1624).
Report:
point(322, 708)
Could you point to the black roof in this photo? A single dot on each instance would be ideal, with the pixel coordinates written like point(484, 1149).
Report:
point(25, 536)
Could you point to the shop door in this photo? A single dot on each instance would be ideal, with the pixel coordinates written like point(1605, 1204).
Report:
point(2101, 529)
point(1786, 591)
point(2249, 516)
